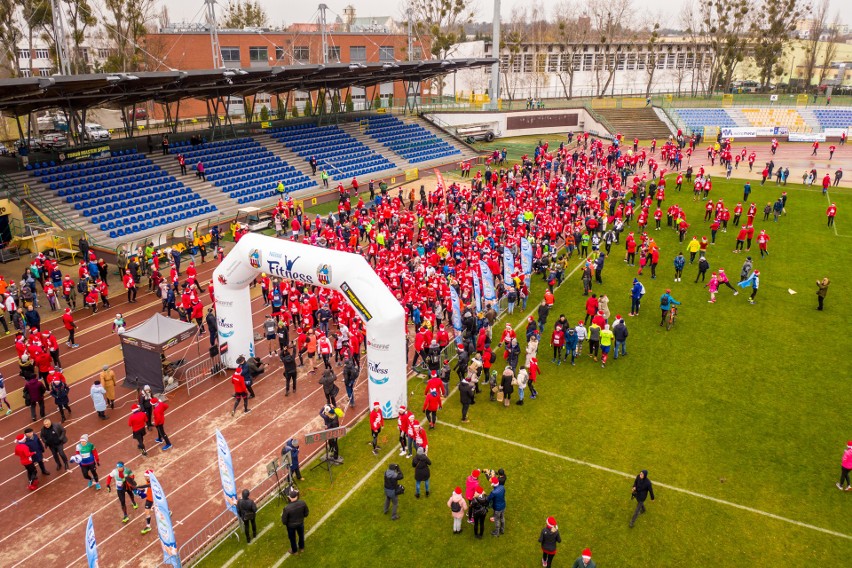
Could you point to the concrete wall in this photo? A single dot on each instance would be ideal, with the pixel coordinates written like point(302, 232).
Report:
point(525, 122)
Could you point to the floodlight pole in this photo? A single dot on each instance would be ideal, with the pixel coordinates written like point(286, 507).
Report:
point(323, 32)
point(61, 39)
point(410, 42)
point(494, 93)
point(218, 63)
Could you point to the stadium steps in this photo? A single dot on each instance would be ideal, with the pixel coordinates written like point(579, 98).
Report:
point(288, 156)
point(739, 117)
point(810, 119)
point(466, 151)
point(642, 123)
point(205, 189)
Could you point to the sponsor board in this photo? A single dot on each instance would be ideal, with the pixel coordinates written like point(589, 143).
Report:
point(85, 153)
point(772, 130)
point(812, 137)
point(226, 328)
point(378, 346)
point(355, 301)
point(285, 267)
point(738, 132)
point(836, 131)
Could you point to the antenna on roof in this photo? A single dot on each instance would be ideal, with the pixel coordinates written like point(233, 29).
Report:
point(214, 35)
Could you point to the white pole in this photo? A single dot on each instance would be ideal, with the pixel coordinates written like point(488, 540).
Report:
point(494, 92)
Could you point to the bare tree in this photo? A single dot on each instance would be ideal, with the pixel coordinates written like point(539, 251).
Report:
point(609, 20)
point(771, 27)
point(570, 36)
point(128, 26)
point(10, 35)
point(514, 37)
point(722, 26)
point(652, 45)
point(811, 43)
point(443, 21)
point(831, 40)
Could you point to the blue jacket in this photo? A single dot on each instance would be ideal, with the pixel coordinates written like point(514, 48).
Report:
point(294, 453)
point(636, 291)
point(679, 262)
point(497, 498)
point(571, 339)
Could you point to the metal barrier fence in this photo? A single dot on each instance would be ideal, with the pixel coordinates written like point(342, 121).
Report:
point(201, 371)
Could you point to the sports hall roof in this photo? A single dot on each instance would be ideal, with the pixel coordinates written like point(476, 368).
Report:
point(22, 96)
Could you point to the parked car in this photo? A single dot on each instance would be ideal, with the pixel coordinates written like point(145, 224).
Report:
point(141, 114)
point(54, 140)
point(96, 131)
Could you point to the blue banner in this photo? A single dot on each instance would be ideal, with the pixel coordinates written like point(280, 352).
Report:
point(457, 317)
point(508, 266)
point(487, 282)
point(477, 293)
point(526, 258)
point(91, 544)
point(226, 473)
point(164, 524)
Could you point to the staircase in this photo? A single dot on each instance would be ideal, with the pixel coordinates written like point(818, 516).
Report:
point(642, 123)
point(810, 119)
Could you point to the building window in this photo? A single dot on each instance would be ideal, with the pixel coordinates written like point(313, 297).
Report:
point(42, 54)
point(23, 54)
point(504, 63)
point(258, 55)
point(386, 53)
point(552, 62)
point(619, 61)
point(26, 73)
point(517, 59)
point(528, 63)
point(103, 53)
point(231, 54)
point(631, 61)
point(44, 71)
point(302, 53)
point(357, 53)
point(334, 54)
point(279, 53)
point(587, 61)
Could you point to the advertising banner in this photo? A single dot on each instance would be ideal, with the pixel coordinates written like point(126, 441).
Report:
point(226, 473)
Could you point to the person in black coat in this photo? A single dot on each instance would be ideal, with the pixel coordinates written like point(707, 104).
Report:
point(421, 463)
point(35, 446)
point(465, 397)
point(247, 509)
point(329, 416)
point(293, 517)
point(212, 326)
point(642, 487)
point(392, 477)
point(290, 371)
point(54, 437)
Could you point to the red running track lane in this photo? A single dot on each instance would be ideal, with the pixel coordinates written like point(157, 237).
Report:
point(188, 472)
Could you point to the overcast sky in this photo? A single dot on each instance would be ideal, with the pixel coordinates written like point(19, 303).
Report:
point(290, 11)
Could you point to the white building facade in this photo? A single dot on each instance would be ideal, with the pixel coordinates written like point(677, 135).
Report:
point(546, 70)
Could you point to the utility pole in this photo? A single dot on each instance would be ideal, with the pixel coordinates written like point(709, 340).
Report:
point(61, 39)
point(494, 93)
point(323, 32)
point(410, 40)
point(218, 63)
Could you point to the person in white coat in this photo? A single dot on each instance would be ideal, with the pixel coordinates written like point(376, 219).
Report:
point(98, 394)
point(523, 379)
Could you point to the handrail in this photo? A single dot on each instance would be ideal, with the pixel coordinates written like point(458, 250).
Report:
point(600, 118)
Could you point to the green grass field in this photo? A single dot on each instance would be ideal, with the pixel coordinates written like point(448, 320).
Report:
point(744, 404)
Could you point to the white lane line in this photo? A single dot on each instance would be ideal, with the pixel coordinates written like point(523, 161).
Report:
point(233, 558)
point(656, 483)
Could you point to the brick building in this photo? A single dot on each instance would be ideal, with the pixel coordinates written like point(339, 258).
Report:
point(176, 48)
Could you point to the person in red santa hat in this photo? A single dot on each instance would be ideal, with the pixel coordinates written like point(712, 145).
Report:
point(240, 390)
point(138, 423)
point(377, 421)
point(549, 539)
point(585, 560)
point(25, 455)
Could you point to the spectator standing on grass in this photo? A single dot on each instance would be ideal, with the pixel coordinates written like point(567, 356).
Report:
point(822, 290)
point(377, 421)
point(642, 487)
point(293, 517)
point(497, 501)
point(391, 483)
point(845, 468)
point(585, 560)
point(479, 510)
point(636, 293)
point(549, 539)
point(703, 267)
point(666, 303)
point(247, 509)
point(457, 506)
point(466, 397)
point(421, 463)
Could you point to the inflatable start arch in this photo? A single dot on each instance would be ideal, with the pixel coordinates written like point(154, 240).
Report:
point(348, 273)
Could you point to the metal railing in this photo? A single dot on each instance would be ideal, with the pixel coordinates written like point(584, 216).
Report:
point(205, 369)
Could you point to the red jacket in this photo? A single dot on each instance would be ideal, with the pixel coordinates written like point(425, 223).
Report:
point(159, 413)
point(239, 384)
point(24, 454)
point(68, 322)
point(432, 402)
point(137, 421)
point(376, 420)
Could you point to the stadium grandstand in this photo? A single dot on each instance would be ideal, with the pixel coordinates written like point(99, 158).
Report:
point(786, 120)
point(124, 190)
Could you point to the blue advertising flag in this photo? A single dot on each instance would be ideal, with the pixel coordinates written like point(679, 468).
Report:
point(226, 473)
point(164, 524)
point(508, 266)
point(526, 258)
point(457, 318)
point(487, 282)
point(91, 544)
point(477, 293)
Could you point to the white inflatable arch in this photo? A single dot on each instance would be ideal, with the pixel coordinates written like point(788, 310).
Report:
point(348, 273)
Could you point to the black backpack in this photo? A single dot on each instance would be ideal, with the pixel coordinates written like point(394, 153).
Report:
point(455, 507)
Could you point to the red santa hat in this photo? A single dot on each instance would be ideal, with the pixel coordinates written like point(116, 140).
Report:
point(478, 489)
point(376, 405)
point(474, 473)
point(495, 482)
point(551, 522)
point(155, 400)
point(402, 408)
point(20, 438)
point(587, 553)
point(238, 371)
point(134, 408)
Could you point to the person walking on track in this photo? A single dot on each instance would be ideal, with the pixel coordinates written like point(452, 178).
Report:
point(145, 490)
point(159, 417)
point(87, 457)
point(138, 425)
point(25, 455)
point(125, 484)
point(55, 438)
